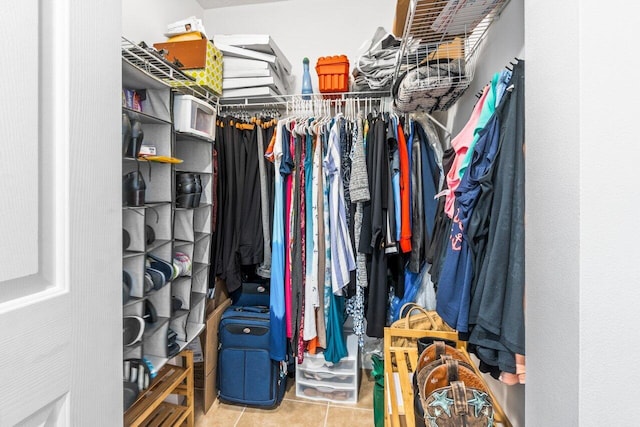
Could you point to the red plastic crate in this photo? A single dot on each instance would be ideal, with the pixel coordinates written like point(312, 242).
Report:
point(333, 73)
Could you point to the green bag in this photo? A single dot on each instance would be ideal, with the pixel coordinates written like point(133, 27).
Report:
point(378, 390)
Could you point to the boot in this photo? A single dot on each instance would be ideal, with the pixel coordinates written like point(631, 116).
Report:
point(126, 132)
point(135, 143)
point(186, 188)
point(186, 183)
point(198, 192)
point(133, 189)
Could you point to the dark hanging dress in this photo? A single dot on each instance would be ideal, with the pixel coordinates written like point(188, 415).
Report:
point(373, 235)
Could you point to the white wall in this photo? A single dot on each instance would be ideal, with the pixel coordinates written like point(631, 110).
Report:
point(311, 28)
point(609, 251)
point(582, 251)
point(553, 213)
point(147, 20)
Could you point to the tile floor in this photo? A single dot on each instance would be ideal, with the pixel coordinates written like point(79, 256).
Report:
point(293, 411)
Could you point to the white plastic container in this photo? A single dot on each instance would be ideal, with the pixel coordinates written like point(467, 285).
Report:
point(194, 116)
point(316, 379)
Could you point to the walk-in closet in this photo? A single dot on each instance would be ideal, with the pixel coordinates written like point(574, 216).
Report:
point(324, 213)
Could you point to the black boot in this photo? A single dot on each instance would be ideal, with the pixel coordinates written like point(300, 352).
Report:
point(186, 188)
point(133, 189)
point(198, 192)
point(135, 143)
point(126, 132)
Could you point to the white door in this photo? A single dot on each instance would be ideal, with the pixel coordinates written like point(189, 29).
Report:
point(60, 215)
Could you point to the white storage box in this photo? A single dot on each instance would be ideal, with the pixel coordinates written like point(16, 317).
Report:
point(194, 116)
point(318, 379)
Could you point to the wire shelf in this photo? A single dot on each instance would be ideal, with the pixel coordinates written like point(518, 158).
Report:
point(439, 48)
point(164, 72)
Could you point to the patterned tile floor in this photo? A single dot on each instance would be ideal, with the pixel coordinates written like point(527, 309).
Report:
point(293, 411)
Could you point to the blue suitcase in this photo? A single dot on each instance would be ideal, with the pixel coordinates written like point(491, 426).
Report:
point(246, 373)
point(252, 292)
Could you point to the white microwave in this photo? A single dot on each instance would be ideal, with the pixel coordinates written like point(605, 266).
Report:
point(192, 115)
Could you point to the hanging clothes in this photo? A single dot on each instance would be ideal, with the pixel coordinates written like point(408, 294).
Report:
point(226, 265)
point(286, 169)
point(405, 189)
point(431, 177)
point(359, 191)
point(343, 260)
point(300, 245)
point(311, 301)
point(321, 250)
point(374, 227)
point(278, 330)
point(266, 182)
point(442, 225)
point(461, 145)
point(486, 113)
point(251, 244)
point(242, 202)
point(501, 279)
point(454, 292)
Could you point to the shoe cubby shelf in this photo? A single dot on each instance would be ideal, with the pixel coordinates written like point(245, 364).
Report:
point(155, 327)
point(183, 137)
point(195, 154)
point(155, 97)
point(145, 118)
point(202, 205)
point(191, 225)
point(157, 227)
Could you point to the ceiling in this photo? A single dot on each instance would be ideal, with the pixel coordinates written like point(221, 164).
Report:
point(213, 4)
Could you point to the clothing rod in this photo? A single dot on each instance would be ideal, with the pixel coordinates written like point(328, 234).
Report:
point(283, 99)
point(437, 123)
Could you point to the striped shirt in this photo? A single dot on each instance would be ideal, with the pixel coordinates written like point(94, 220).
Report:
point(342, 258)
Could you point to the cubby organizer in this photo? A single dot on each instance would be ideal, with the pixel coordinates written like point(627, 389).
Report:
point(150, 226)
point(157, 228)
point(439, 47)
point(192, 227)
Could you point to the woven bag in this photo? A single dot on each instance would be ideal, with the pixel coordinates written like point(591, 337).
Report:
point(415, 317)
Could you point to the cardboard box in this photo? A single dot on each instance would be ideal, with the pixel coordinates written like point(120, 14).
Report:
point(209, 340)
point(402, 8)
point(198, 375)
point(201, 60)
point(210, 392)
point(191, 54)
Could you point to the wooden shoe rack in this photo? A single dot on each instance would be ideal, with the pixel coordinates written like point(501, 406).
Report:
point(151, 409)
point(399, 364)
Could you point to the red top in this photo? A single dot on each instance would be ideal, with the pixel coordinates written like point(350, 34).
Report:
point(405, 197)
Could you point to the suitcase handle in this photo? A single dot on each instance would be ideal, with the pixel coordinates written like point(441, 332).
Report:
point(256, 309)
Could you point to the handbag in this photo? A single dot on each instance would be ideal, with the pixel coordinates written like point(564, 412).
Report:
point(415, 317)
